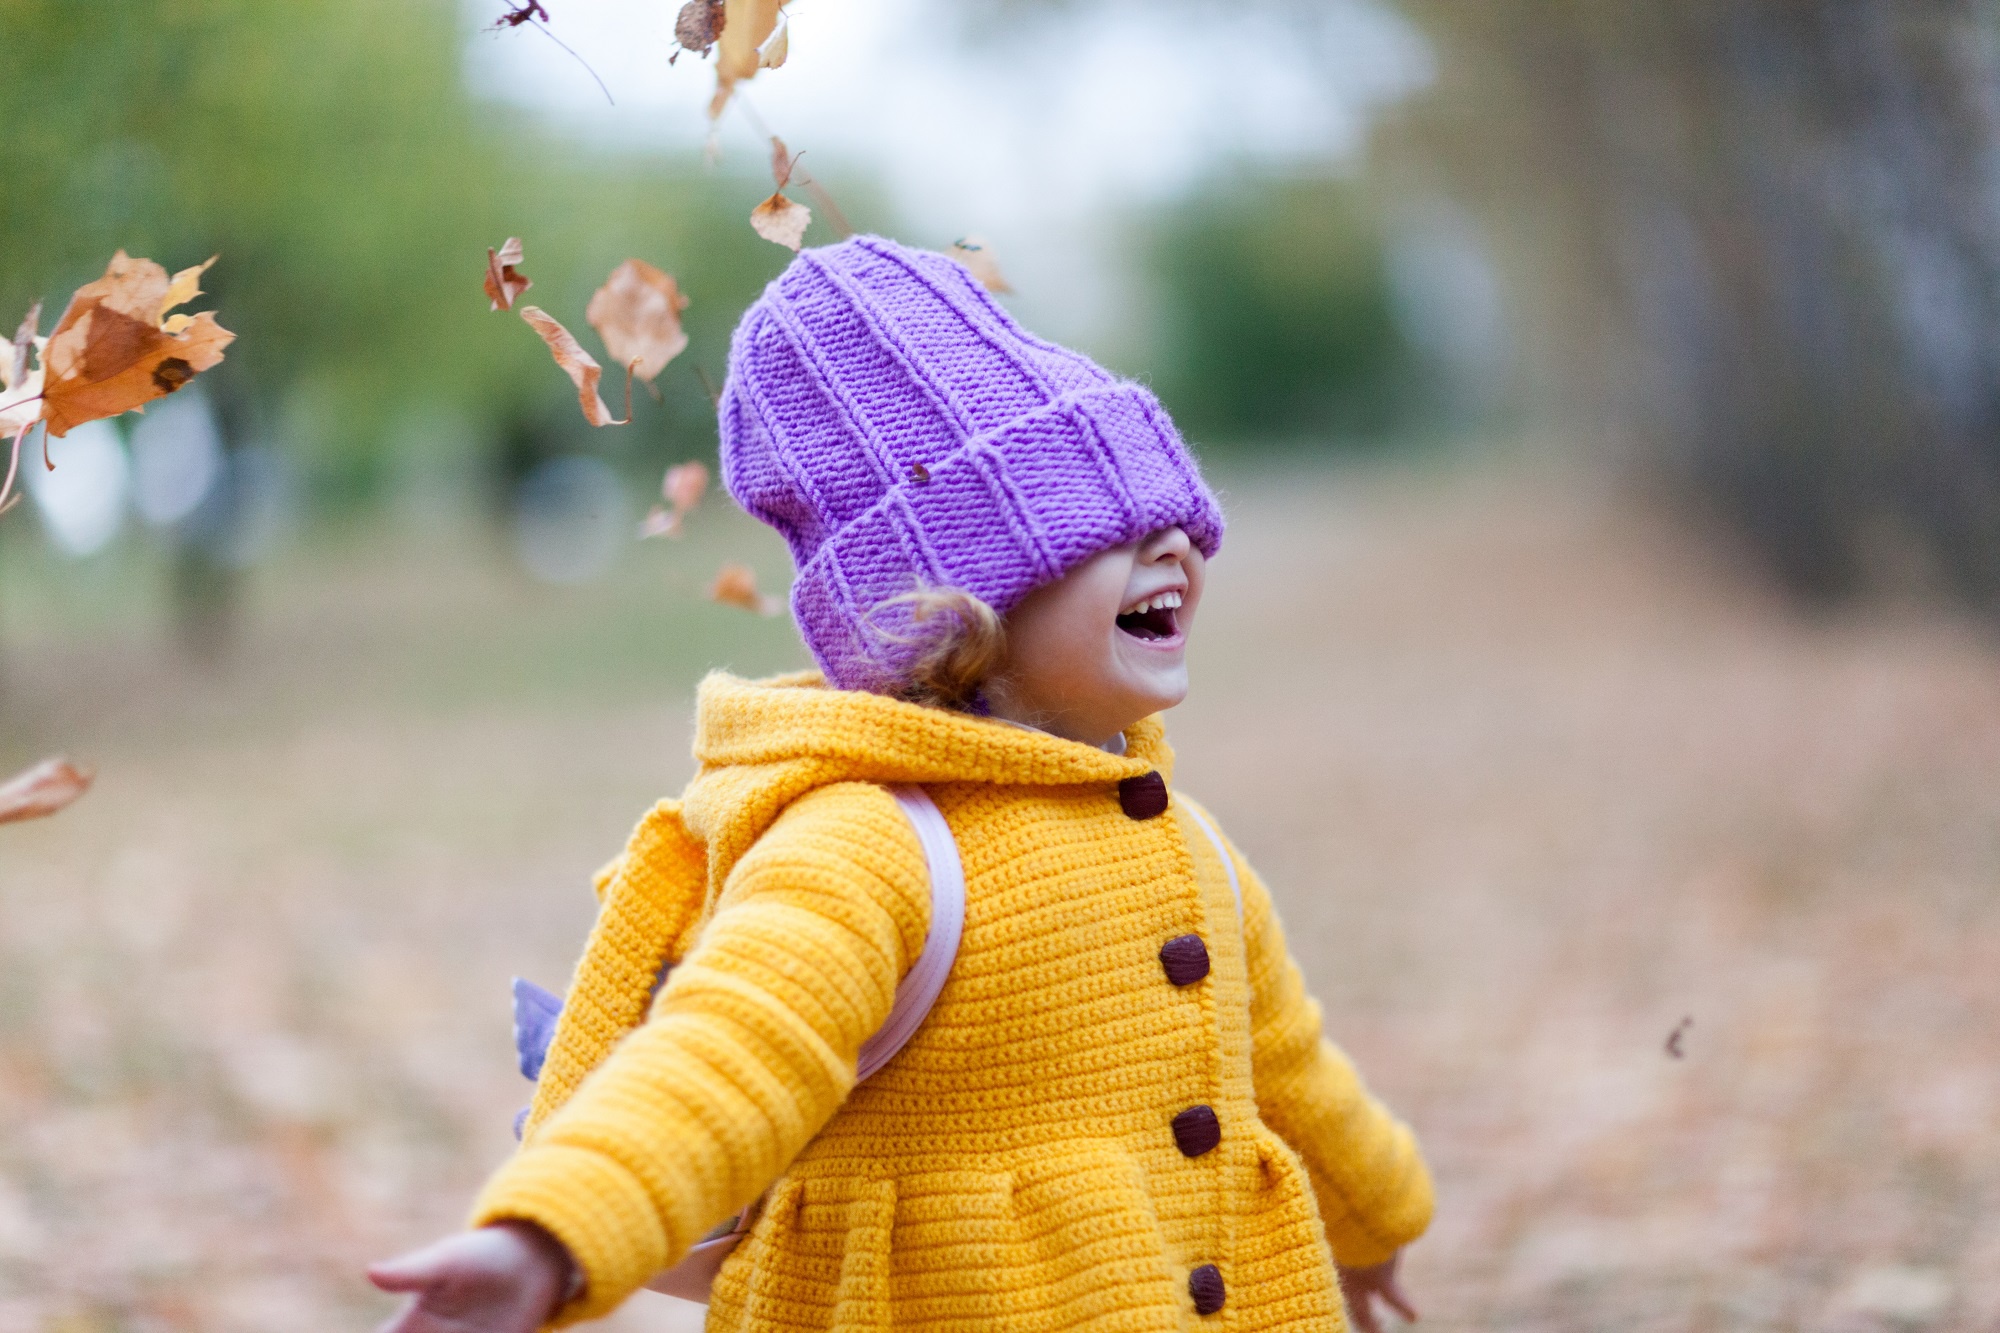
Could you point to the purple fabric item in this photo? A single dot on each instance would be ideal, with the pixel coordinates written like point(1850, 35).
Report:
point(898, 428)
point(535, 1014)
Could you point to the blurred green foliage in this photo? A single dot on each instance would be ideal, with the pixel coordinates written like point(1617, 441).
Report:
point(328, 151)
point(1276, 320)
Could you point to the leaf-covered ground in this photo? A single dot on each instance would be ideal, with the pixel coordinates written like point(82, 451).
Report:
point(1534, 777)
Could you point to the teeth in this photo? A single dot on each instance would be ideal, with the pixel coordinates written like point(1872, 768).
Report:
point(1166, 601)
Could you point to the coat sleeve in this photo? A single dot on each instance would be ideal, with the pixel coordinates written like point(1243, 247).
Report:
point(749, 1050)
point(1373, 1188)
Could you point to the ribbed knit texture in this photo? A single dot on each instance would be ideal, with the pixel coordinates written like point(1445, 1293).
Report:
point(887, 417)
point(1016, 1166)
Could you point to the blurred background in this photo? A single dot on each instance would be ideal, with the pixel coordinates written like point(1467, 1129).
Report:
point(1607, 402)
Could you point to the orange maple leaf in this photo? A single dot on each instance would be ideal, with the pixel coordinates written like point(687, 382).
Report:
point(116, 348)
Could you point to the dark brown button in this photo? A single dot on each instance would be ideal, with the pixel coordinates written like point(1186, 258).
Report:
point(1186, 959)
point(1196, 1130)
point(1205, 1286)
point(1143, 796)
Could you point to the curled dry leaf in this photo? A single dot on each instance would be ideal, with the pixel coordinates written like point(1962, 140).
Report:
point(21, 383)
point(736, 585)
point(683, 488)
point(774, 51)
point(638, 314)
point(579, 365)
point(42, 790)
point(116, 349)
point(978, 256)
point(684, 485)
point(504, 280)
point(20, 397)
point(782, 162)
point(781, 220)
point(697, 26)
point(747, 25)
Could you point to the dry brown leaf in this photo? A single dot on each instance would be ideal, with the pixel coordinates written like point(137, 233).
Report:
point(504, 281)
point(683, 488)
point(736, 585)
point(774, 51)
point(684, 485)
point(748, 24)
point(781, 220)
point(42, 790)
point(21, 382)
point(978, 256)
point(782, 162)
point(697, 26)
point(112, 352)
point(579, 365)
point(27, 339)
point(638, 314)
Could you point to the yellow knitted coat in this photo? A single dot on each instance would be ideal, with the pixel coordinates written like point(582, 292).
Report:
point(1039, 1156)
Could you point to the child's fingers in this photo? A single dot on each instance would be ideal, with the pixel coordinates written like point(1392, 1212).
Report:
point(1392, 1292)
point(1363, 1313)
point(413, 1271)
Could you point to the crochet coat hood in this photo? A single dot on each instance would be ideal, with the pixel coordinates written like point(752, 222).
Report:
point(763, 744)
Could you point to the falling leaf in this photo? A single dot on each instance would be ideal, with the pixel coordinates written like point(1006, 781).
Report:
point(504, 281)
point(42, 790)
point(698, 24)
point(774, 51)
point(578, 364)
point(782, 162)
point(520, 14)
point(684, 485)
point(736, 585)
point(114, 349)
point(683, 488)
point(638, 314)
point(781, 220)
point(978, 256)
point(746, 26)
point(21, 384)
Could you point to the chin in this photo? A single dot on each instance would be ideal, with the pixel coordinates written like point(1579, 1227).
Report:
point(1156, 696)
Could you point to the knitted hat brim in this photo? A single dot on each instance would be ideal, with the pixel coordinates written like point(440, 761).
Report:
point(1009, 512)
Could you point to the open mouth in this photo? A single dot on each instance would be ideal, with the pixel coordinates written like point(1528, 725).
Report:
point(1155, 617)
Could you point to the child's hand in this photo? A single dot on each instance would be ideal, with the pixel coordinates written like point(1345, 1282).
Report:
point(1362, 1286)
point(505, 1278)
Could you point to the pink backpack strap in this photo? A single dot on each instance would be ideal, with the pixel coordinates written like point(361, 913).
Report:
point(1221, 850)
point(922, 984)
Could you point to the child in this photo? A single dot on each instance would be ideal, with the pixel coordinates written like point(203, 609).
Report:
point(1120, 1113)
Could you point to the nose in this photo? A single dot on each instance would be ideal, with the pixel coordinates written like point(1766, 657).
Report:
point(1168, 545)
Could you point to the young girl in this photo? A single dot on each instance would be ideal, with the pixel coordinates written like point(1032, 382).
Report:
point(1119, 1114)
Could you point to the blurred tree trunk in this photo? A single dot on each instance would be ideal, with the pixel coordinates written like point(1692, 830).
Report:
point(1759, 239)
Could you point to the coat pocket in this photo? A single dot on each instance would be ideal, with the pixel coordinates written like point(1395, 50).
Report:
point(1281, 1252)
point(1089, 1252)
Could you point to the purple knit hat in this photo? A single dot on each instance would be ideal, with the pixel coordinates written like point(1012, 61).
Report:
point(901, 431)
